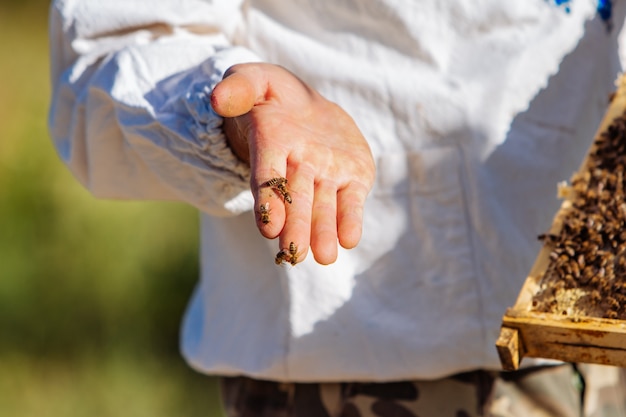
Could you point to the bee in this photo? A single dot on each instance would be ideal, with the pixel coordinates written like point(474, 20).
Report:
point(587, 274)
point(280, 185)
point(276, 182)
point(293, 253)
point(612, 302)
point(281, 257)
point(264, 212)
point(289, 255)
point(595, 296)
point(548, 237)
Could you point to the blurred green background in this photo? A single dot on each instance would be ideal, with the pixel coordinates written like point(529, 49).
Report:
point(91, 292)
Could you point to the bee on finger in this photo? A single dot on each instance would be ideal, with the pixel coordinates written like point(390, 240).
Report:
point(264, 213)
point(293, 253)
point(276, 182)
point(289, 255)
point(279, 184)
point(286, 196)
point(281, 257)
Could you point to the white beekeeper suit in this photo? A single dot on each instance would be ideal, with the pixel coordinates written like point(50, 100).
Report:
point(474, 111)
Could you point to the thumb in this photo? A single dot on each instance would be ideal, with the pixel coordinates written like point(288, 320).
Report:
point(237, 93)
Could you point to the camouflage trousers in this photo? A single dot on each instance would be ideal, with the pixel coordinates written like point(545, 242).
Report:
point(566, 390)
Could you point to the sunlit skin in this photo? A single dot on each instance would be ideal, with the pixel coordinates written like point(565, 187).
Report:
point(281, 126)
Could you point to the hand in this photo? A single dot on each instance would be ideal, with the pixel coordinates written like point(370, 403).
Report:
point(283, 128)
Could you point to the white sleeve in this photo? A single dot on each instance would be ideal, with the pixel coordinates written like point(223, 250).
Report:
point(130, 112)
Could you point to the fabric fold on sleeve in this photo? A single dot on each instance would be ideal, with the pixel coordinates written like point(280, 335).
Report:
point(187, 150)
point(137, 123)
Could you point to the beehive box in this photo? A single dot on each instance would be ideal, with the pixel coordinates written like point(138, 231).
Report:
point(572, 306)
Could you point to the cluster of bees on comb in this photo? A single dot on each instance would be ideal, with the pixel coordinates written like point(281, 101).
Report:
point(588, 255)
point(279, 185)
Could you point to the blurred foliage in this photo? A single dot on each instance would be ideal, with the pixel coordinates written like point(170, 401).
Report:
point(32, 5)
point(91, 292)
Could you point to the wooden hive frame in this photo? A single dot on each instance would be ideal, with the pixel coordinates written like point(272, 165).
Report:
point(528, 333)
